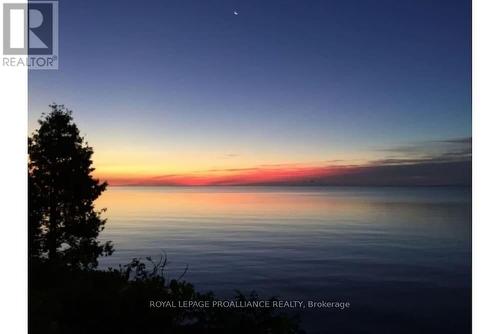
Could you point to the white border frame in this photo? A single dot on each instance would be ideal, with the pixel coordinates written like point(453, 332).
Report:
point(13, 194)
point(486, 162)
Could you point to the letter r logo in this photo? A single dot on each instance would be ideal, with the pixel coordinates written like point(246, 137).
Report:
point(30, 29)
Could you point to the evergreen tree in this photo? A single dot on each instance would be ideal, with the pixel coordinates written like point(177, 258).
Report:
point(64, 224)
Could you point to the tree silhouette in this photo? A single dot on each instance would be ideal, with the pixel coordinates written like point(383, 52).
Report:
point(68, 294)
point(64, 225)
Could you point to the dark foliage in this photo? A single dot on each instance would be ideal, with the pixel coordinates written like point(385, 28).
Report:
point(65, 300)
point(63, 222)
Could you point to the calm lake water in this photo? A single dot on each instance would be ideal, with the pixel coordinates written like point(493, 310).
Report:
point(400, 256)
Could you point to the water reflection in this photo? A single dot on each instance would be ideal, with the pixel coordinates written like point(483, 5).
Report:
point(389, 251)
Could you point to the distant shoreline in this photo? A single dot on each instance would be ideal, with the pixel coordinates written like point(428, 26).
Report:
point(291, 186)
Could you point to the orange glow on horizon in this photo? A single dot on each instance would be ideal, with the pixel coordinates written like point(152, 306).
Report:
point(236, 176)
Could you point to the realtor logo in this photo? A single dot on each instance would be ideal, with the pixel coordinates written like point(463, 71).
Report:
point(31, 30)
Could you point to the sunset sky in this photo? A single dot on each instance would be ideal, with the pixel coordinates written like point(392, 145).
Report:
point(286, 92)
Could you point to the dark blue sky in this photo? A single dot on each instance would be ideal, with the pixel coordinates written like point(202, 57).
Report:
point(282, 82)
